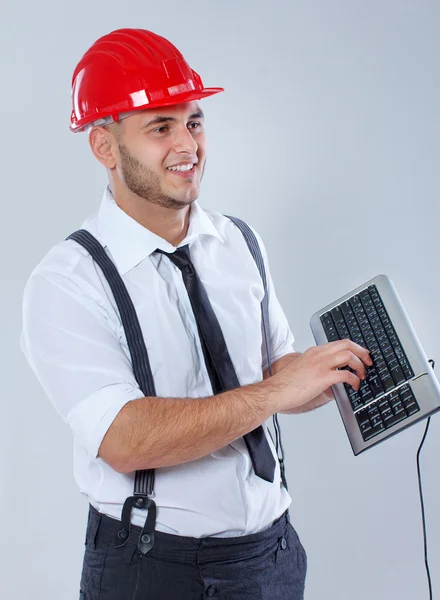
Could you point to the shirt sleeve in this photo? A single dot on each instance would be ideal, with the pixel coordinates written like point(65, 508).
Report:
point(75, 355)
point(281, 337)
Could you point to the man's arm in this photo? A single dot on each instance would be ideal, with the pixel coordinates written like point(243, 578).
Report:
point(159, 432)
point(320, 400)
point(78, 360)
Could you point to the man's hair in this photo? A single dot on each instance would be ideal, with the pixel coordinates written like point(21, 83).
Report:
point(115, 128)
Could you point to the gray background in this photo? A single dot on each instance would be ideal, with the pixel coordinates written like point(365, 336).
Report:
point(327, 142)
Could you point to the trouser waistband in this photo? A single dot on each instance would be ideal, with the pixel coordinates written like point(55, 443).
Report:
point(101, 528)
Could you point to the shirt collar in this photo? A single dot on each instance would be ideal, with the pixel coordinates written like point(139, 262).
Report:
point(130, 242)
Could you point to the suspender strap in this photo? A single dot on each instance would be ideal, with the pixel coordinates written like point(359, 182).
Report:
point(144, 480)
point(255, 250)
point(135, 339)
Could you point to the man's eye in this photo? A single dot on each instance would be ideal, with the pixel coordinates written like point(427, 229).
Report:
point(196, 125)
point(160, 129)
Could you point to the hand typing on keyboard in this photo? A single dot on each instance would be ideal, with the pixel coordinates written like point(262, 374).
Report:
point(305, 378)
point(384, 397)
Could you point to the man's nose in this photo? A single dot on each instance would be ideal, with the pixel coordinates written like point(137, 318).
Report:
point(184, 141)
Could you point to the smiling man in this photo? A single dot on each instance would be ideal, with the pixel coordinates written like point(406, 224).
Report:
point(145, 330)
point(155, 156)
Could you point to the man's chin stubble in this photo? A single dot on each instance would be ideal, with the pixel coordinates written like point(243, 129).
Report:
point(167, 201)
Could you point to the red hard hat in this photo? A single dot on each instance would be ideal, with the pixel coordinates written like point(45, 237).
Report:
point(131, 69)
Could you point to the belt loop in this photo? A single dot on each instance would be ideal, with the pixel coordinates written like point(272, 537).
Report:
point(94, 529)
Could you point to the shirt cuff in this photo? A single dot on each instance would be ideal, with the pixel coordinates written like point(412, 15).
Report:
point(281, 351)
point(91, 418)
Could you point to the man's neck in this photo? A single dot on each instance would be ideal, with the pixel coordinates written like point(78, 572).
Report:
point(169, 224)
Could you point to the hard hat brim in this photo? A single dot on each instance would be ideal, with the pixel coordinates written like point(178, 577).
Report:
point(172, 100)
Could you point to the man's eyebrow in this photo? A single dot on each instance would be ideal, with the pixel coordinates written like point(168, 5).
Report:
point(197, 115)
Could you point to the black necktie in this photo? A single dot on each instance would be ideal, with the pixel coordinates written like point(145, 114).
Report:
point(218, 362)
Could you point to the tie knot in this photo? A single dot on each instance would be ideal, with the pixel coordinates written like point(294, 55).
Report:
point(181, 259)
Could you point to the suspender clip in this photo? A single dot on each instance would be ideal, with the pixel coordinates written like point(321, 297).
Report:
point(146, 537)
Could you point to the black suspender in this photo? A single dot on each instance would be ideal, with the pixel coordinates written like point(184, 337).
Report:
point(143, 493)
point(255, 250)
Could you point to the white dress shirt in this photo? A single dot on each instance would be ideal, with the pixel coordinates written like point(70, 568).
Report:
point(74, 341)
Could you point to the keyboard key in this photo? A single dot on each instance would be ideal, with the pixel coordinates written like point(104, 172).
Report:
point(366, 301)
point(371, 312)
point(412, 408)
point(354, 301)
point(342, 331)
point(388, 327)
point(363, 321)
point(397, 375)
point(406, 394)
point(376, 421)
point(356, 403)
point(326, 319)
point(329, 327)
point(360, 341)
point(365, 392)
point(370, 338)
point(403, 361)
point(354, 397)
point(393, 398)
point(354, 330)
point(375, 383)
point(363, 422)
point(398, 407)
point(408, 372)
point(379, 363)
point(375, 350)
point(394, 340)
point(388, 352)
point(362, 418)
point(337, 315)
point(346, 310)
point(387, 412)
point(394, 419)
point(383, 404)
point(367, 431)
point(370, 433)
point(375, 322)
point(382, 339)
point(408, 400)
point(387, 380)
point(373, 411)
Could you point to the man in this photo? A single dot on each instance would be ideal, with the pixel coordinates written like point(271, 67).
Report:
point(148, 339)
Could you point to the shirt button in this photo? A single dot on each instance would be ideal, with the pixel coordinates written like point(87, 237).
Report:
point(210, 592)
point(283, 544)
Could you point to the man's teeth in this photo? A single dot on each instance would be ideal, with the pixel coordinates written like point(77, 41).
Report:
point(181, 168)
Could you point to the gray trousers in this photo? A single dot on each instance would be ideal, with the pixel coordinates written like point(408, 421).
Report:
point(270, 565)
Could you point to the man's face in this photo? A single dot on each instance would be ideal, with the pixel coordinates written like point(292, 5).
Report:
point(153, 141)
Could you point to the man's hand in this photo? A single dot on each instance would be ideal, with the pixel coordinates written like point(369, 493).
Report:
point(320, 400)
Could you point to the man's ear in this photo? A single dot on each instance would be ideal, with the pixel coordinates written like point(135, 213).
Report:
point(104, 146)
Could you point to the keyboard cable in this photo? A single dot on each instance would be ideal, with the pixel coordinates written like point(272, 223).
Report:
point(425, 543)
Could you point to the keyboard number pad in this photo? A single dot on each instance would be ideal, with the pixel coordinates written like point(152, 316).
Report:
point(386, 412)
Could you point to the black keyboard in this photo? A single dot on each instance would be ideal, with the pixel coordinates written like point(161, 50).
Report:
point(384, 399)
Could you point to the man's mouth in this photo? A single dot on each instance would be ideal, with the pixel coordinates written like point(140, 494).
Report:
point(182, 168)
